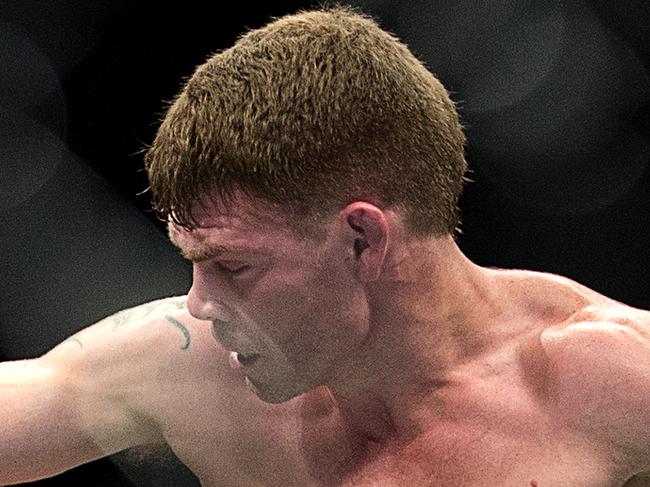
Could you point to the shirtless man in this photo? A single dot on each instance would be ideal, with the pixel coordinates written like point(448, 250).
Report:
point(334, 334)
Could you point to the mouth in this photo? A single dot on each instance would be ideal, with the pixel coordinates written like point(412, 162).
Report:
point(238, 360)
point(247, 359)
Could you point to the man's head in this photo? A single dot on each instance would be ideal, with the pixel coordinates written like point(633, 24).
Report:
point(307, 114)
point(299, 306)
point(304, 144)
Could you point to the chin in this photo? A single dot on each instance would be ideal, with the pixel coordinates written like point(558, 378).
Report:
point(278, 394)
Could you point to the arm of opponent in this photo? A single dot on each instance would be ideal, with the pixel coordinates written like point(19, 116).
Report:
point(72, 405)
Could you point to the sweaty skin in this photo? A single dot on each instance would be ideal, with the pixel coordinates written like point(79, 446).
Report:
point(497, 422)
point(386, 363)
point(421, 367)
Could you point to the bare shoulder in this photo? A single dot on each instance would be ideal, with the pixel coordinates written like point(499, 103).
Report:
point(569, 315)
point(600, 375)
point(134, 355)
point(153, 329)
point(114, 371)
point(596, 325)
point(589, 356)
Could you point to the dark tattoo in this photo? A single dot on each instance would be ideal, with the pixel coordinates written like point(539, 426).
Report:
point(121, 317)
point(74, 340)
point(138, 315)
point(142, 311)
point(183, 329)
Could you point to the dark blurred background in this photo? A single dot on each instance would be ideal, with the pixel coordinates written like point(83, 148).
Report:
point(555, 97)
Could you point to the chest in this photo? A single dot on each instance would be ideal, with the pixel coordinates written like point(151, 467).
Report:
point(452, 455)
point(511, 442)
point(500, 431)
point(515, 446)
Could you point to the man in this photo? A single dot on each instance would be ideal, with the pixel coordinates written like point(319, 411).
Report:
point(334, 334)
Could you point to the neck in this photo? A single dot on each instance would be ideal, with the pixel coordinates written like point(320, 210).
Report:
point(428, 315)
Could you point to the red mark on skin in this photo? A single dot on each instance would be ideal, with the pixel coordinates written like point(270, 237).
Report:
point(533, 483)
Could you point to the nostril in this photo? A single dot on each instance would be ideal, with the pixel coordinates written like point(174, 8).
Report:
point(206, 311)
point(201, 309)
point(203, 303)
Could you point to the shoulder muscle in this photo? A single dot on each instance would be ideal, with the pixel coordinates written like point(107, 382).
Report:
point(601, 380)
point(108, 364)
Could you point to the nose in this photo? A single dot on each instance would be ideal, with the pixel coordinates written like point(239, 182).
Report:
point(202, 308)
point(202, 300)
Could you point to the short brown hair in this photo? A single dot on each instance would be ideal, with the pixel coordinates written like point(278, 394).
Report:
point(307, 114)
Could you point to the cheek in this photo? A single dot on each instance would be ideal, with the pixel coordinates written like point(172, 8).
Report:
point(309, 309)
point(342, 300)
point(331, 314)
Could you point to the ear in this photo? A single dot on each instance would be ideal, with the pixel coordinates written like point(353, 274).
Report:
point(365, 233)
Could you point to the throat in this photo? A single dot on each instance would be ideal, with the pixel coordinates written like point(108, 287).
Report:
point(371, 423)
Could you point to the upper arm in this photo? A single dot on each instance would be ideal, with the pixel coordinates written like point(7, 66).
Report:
point(602, 381)
point(36, 423)
point(74, 404)
point(111, 365)
point(49, 424)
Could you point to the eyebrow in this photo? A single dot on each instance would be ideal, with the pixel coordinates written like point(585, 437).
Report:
point(203, 254)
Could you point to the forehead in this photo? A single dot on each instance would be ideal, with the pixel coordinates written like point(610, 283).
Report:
point(242, 212)
point(218, 232)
